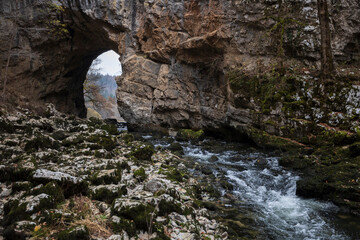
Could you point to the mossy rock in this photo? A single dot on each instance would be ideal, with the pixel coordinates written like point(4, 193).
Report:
point(74, 233)
point(111, 129)
point(122, 224)
point(95, 122)
point(9, 173)
point(41, 142)
point(56, 216)
point(59, 135)
point(354, 150)
point(76, 141)
point(143, 152)
point(226, 185)
point(188, 134)
point(213, 191)
point(6, 127)
point(175, 175)
point(106, 177)
point(21, 186)
point(140, 174)
point(268, 141)
point(19, 230)
point(167, 207)
point(14, 212)
point(105, 142)
point(108, 195)
point(176, 148)
point(51, 189)
point(139, 213)
point(127, 137)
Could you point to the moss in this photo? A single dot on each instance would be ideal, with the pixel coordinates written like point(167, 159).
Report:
point(354, 150)
point(59, 135)
point(95, 122)
point(76, 141)
point(188, 134)
point(111, 129)
point(52, 189)
point(143, 152)
point(107, 195)
point(213, 192)
point(140, 174)
point(124, 225)
point(14, 212)
point(176, 148)
point(128, 137)
point(106, 177)
point(265, 140)
point(105, 142)
point(123, 165)
point(74, 233)
point(21, 186)
point(174, 175)
point(167, 207)
point(13, 174)
point(226, 185)
point(140, 215)
point(6, 127)
point(41, 142)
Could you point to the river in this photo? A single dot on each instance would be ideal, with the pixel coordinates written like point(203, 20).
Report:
point(266, 194)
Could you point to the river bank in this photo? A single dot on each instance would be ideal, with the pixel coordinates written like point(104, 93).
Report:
point(68, 178)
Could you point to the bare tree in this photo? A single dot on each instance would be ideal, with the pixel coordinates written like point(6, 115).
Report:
point(327, 63)
point(93, 90)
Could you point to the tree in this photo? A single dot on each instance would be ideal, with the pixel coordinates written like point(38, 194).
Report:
point(327, 63)
point(93, 90)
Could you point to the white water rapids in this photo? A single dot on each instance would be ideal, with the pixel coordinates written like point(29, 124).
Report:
point(269, 191)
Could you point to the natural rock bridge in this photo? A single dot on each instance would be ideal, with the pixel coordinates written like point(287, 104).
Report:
point(175, 54)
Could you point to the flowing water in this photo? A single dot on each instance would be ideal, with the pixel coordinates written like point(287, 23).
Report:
point(267, 193)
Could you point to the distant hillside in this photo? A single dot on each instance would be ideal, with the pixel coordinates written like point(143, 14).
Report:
point(109, 85)
point(108, 88)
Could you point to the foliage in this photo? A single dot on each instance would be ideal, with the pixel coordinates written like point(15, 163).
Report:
point(57, 27)
point(92, 89)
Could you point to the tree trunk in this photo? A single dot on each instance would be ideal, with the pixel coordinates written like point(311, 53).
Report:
point(327, 64)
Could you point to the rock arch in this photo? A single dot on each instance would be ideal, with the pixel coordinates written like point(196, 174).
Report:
point(174, 54)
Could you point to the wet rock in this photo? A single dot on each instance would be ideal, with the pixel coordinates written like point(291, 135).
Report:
point(176, 148)
point(213, 158)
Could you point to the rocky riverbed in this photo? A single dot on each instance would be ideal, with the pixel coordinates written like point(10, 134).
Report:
point(67, 178)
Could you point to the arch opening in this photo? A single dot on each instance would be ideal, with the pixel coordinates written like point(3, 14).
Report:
point(99, 87)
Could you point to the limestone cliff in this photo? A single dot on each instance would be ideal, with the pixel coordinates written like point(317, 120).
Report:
point(176, 55)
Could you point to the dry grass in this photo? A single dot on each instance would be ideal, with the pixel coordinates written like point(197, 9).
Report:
point(85, 213)
point(89, 216)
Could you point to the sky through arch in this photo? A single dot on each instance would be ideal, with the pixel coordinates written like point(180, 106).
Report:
point(110, 63)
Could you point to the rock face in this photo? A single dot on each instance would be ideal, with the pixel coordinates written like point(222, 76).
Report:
point(175, 54)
